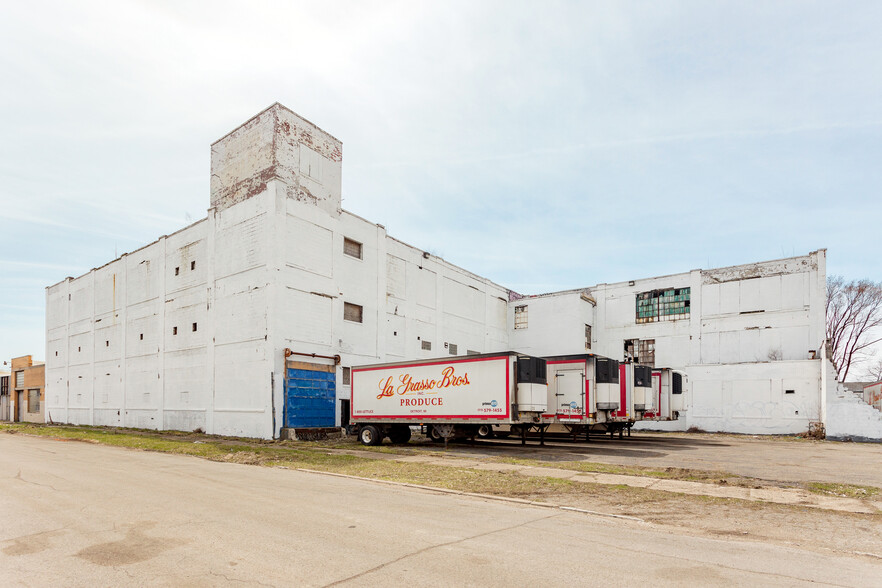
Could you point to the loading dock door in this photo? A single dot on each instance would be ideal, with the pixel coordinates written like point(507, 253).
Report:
point(310, 395)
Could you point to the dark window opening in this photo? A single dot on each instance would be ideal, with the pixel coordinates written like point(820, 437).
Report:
point(177, 271)
point(353, 312)
point(194, 327)
point(789, 391)
point(107, 343)
point(142, 336)
point(192, 265)
point(174, 330)
point(352, 248)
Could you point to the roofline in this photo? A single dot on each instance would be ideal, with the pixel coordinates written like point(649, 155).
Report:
point(280, 105)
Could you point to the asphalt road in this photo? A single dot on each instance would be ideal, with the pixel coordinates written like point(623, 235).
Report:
point(78, 514)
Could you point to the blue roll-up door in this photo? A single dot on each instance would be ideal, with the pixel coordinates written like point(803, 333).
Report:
point(309, 398)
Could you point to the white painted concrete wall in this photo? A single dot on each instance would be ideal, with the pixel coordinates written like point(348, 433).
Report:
point(270, 274)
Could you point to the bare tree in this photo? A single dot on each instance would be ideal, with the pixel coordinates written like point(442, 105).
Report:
point(854, 309)
point(874, 372)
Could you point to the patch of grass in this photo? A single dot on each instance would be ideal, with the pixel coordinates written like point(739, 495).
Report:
point(842, 490)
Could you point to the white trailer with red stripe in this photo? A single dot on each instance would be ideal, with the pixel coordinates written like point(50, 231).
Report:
point(451, 397)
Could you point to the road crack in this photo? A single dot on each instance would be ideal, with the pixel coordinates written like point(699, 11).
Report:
point(431, 547)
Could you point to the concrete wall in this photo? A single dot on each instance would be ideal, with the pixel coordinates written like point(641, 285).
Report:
point(555, 324)
point(266, 271)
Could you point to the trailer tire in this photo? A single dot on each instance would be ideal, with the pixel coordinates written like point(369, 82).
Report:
point(399, 434)
point(485, 431)
point(434, 435)
point(370, 435)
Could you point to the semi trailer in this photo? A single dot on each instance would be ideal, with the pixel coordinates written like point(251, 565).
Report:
point(451, 397)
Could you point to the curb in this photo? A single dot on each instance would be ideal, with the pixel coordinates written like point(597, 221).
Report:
point(476, 495)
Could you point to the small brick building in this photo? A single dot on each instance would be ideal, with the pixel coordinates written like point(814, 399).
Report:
point(27, 390)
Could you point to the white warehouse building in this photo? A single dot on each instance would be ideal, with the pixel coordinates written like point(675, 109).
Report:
point(191, 331)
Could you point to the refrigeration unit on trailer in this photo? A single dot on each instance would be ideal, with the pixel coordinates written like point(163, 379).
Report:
point(663, 395)
point(452, 397)
point(607, 397)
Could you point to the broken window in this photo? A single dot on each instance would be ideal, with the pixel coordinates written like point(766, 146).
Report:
point(640, 351)
point(352, 312)
point(520, 317)
point(352, 248)
point(663, 305)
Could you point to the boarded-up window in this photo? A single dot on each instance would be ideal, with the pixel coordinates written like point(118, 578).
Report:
point(452, 348)
point(352, 248)
point(520, 319)
point(347, 376)
point(587, 336)
point(426, 345)
point(33, 401)
point(352, 312)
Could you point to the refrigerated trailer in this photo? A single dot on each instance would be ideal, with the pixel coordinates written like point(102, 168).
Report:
point(667, 388)
point(450, 397)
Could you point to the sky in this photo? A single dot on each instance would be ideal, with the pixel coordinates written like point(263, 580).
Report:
point(544, 145)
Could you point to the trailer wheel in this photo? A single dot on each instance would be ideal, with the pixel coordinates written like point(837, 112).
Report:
point(399, 434)
point(370, 435)
point(485, 431)
point(434, 435)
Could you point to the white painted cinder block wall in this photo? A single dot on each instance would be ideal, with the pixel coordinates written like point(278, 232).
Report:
point(747, 345)
point(270, 274)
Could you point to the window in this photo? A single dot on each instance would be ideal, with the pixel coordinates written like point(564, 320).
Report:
point(640, 351)
point(452, 349)
point(352, 248)
point(174, 330)
point(107, 343)
point(177, 271)
point(426, 345)
point(142, 336)
point(347, 376)
point(789, 391)
point(33, 401)
point(19, 379)
point(352, 312)
point(663, 305)
point(520, 317)
point(587, 336)
point(192, 265)
point(194, 327)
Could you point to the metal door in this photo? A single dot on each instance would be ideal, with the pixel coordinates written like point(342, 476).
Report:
point(570, 394)
point(20, 406)
point(310, 396)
